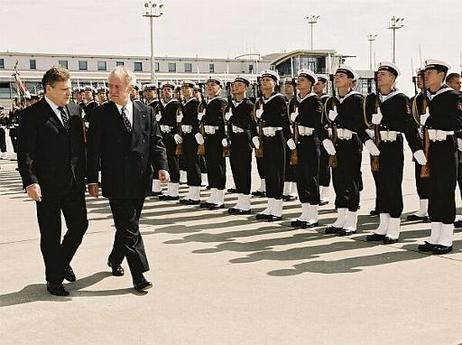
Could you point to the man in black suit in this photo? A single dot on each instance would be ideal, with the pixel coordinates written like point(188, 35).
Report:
point(125, 138)
point(51, 161)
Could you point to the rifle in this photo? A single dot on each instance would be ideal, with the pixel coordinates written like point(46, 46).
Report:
point(179, 147)
point(227, 149)
point(375, 163)
point(259, 121)
point(425, 170)
point(200, 109)
point(333, 158)
point(294, 153)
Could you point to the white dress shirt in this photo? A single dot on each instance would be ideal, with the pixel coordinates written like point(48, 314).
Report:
point(128, 111)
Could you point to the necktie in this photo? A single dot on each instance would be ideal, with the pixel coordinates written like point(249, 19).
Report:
point(65, 118)
point(126, 121)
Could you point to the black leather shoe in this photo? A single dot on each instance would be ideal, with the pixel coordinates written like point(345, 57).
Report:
point(332, 230)
point(374, 213)
point(426, 247)
point(289, 197)
point(440, 249)
point(388, 240)
point(192, 202)
point(69, 274)
point(57, 289)
point(231, 190)
point(414, 217)
point(311, 225)
point(239, 211)
point(458, 224)
point(259, 194)
point(155, 194)
point(184, 201)
point(375, 237)
point(142, 284)
point(205, 204)
point(272, 218)
point(216, 206)
point(297, 223)
point(324, 202)
point(344, 232)
point(117, 270)
point(169, 197)
point(261, 216)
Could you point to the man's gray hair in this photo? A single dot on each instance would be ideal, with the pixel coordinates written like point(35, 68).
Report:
point(124, 74)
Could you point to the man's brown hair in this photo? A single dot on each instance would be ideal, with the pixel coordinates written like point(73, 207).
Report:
point(54, 75)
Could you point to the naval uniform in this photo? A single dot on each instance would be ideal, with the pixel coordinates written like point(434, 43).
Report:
point(190, 127)
point(324, 169)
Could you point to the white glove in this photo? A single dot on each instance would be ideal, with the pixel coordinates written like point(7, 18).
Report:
point(424, 117)
point(294, 115)
point(178, 139)
point(158, 117)
point(228, 114)
point(377, 118)
point(370, 133)
point(199, 138)
point(459, 144)
point(370, 146)
point(179, 118)
point(333, 113)
point(420, 157)
point(291, 144)
point(329, 146)
point(256, 142)
point(224, 142)
point(259, 112)
point(200, 116)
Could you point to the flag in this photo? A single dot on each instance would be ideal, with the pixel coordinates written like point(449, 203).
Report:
point(20, 87)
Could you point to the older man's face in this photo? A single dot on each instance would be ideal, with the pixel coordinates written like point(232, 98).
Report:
point(119, 90)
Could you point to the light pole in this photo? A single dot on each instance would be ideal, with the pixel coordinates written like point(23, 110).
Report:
point(371, 38)
point(395, 24)
point(152, 10)
point(312, 19)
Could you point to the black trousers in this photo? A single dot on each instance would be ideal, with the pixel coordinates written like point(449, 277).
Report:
point(14, 138)
point(56, 254)
point(346, 176)
point(390, 177)
point(274, 164)
point(2, 140)
point(324, 169)
point(216, 167)
point(443, 164)
point(260, 167)
point(307, 170)
point(420, 183)
point(172, 158)
point(241, 159)
point(191, 160)
point(128, 242)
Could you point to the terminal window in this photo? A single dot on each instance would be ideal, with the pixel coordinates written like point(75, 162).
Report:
point(212, 68)
point(63, 64)
point(83, 65)
point(2, 63)
point(102, 66)
point(188, 67)
point(32, 64)
point(157, 67)
point(119, 63)
point(172, 67)
point(138, 66)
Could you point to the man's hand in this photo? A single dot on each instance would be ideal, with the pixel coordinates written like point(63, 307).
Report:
point(93, 190)
point(164, 176)
point(34, 192)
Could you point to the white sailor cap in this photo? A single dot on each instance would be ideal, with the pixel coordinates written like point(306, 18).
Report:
point(242, 79)
point(437, 64)
point(215, 80)
point(388, 66)
point(149, 87)
point(102, 88)
point(270, 74)
point(78, 89)
point(322, 78)
point(89, 88)
point(419, 71)
point(169, 84)
point(309, 75)
point(188, 83)
point(350, 72)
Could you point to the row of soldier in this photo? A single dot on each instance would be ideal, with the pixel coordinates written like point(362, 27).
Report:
point(304, 136)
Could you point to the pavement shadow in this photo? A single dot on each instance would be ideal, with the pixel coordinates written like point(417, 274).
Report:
point(37, 292)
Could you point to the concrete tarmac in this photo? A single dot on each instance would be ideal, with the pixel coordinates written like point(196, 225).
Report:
point(223, 279)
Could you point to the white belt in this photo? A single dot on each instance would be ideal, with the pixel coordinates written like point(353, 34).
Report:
point(344, 134)
point(165, 128)
point(305, 131)
point(271, 131)
point(186, 128)
point(237, 129)
point(210, 129)
point(438, 134)
point(390, 136)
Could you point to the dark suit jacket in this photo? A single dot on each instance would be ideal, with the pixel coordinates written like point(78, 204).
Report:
point(125, 158)
point(47, 153)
